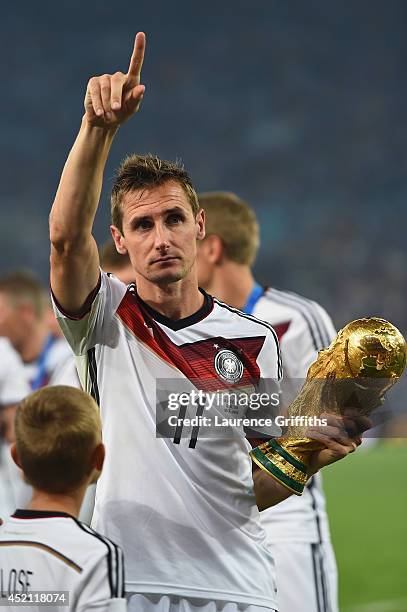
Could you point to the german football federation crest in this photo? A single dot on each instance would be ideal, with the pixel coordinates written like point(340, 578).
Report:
point(228, 366)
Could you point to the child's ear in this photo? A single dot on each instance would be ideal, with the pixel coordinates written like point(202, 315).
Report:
point(99, 457)
point(16, 459)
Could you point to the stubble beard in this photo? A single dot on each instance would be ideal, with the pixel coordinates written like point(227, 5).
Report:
point(166, 277)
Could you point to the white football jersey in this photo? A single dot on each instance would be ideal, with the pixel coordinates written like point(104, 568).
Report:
point(13, 388)
point(13, 383)
point(303, 328)
point(47, 369)
point(183, 508)
point(42, 553)
point(14, 491)
point(66, 374)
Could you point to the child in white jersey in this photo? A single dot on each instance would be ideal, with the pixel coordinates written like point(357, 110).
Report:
point(46, 554)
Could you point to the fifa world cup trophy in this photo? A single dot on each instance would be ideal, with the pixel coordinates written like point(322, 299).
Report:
point(364, 360)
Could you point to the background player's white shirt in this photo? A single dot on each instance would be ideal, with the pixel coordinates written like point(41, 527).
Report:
point(14, 491)
point(13, 388)
point(66, 374)
point(13, 383)
point(51, 365)
point(42, 551)
point(185, 517)
point(303, 328)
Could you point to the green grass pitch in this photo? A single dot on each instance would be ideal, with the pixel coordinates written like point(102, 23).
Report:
point(367, 506)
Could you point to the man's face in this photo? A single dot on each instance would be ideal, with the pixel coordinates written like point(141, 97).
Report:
point(11, 321)
point(159, 233)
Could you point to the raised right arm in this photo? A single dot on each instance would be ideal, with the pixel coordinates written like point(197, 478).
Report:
point(109, 101)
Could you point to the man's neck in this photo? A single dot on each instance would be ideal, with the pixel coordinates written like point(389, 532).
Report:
point(53, 502)
point(33, 344)
point(176, 300)
point(232, 283)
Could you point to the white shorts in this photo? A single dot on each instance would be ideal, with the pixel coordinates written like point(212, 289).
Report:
point(307, 578)
point(171, 603)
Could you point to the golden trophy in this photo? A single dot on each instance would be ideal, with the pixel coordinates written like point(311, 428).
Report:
point(364, 360)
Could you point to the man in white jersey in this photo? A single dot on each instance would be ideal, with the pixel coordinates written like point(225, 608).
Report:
point(297, 529)
point(182, 507)
point(45, 552)
point(24, 307)
point(13, 388)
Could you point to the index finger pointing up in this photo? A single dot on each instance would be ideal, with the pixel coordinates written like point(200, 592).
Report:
point(136, 60)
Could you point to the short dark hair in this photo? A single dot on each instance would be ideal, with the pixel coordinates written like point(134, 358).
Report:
point(146, 171)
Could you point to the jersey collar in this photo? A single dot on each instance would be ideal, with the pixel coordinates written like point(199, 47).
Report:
point(178, 324)
point(38, 514)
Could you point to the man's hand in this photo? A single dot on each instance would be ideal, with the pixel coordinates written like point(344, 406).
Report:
point(341, 436)
point(112, 98)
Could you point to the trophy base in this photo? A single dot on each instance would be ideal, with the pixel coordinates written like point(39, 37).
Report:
point(281, 465)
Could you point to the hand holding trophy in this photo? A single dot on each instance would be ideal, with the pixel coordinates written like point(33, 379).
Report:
point(366, 358)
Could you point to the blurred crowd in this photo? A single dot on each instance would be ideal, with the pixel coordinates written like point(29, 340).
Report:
point(360, 268)
point(316, 139)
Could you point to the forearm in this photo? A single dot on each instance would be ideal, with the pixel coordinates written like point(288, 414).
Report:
point(268, 491)
point(74, 254)
point(78, 193)
point(109, 101)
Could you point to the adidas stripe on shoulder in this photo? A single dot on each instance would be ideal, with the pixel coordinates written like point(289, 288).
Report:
point(310, 312)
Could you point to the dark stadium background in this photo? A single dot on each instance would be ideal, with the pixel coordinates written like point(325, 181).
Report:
point(299, 107)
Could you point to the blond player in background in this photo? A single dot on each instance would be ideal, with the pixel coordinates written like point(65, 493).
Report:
point(297, 529)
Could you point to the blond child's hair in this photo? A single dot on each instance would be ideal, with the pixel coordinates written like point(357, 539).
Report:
point(57, 430)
